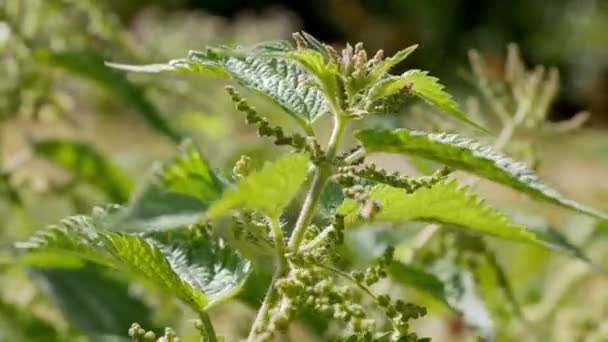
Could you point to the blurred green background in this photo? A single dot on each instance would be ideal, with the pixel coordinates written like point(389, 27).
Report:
point(55, 89)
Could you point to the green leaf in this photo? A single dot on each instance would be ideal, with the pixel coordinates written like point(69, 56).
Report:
point(86, 164)
point(178, 193)
point(451, 285)
point(331, 198)
point(90, 65)
point(193, 267)
point(445, 202)
point(93, 302)
point(430, 90)
point(314, 62)
point(466, 154)
point(383, 67)
point(257, 68)
point(74, 237)
point(269, 190)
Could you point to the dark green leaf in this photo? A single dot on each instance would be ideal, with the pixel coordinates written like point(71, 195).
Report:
point(281, 80)
point(192, 266)
point(178, 193)
point(92, 302)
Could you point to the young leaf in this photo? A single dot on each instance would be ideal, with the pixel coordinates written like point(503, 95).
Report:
point(444, 202)
point(312, 61)
point(466, 154)
point(451, 285)
point(383, 67)
point(90, 65)
point(269, 190)
point(178, 193)
point(280, 79)
point(430, 90)
point(194, 268)
point(86, 164)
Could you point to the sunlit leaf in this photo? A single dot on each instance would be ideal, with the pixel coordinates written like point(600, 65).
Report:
point(466, 154)
point(445, 202)
point(269, 190)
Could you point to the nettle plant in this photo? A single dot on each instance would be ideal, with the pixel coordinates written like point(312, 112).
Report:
point(199, 234)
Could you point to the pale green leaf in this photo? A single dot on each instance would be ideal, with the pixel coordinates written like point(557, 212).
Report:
point(90, 65)
point(269, 190)
point(466, 154)
point(384, 66)
point(429, 89)
point(87, 164)
point(445, 202)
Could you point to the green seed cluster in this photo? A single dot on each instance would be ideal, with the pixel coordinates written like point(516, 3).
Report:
point(139, 334)
point(313, 287)
point(264, 128)
point(370, 207)
point(350, 176)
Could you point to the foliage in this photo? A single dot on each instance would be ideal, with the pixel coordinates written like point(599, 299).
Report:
point(195, 233)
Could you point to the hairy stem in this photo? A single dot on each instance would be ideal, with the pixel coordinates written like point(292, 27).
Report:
point(207, 328)
point(281, 270)
point(321, 175)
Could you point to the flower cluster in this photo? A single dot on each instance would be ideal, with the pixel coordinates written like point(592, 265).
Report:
point(349, 176)
point(264, 128)
point(139, 334)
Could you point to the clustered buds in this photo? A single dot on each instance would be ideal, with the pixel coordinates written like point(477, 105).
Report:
point(139, 334)
point(313, 287)
point(350, 176)
point(295, 140)
point(370, 207)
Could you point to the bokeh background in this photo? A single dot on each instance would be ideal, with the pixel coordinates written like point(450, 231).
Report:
point(54, 88)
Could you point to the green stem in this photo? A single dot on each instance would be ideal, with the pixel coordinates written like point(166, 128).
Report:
point(281, 270)
point(321, 175)
point(208, 333)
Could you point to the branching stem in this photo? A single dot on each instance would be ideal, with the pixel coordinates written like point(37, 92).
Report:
point(321, 175)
